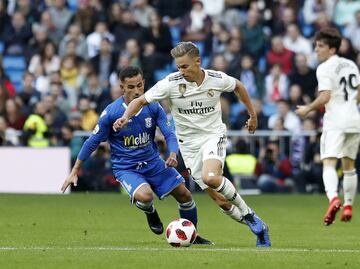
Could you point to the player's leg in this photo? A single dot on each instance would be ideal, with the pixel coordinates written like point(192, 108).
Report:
point(331, 144)
point(350, 181)
point(141, 195)
point(350, 187)
point(144, 200)
point(187, 206)
point(187, 209)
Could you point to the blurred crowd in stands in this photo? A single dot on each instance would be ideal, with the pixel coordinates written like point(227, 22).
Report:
point(59, 62)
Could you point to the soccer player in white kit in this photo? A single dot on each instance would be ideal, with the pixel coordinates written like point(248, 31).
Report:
point(339, 91)
point(194, 95)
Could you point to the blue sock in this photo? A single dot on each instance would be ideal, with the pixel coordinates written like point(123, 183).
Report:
point(188, 211)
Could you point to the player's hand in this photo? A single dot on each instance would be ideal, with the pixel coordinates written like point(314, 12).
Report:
point(251, 124)
point(71, 179)
point(171, 161)
point(302, 111)
point(120, 123)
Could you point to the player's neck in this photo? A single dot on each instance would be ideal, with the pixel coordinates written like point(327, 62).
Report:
point(200, 77)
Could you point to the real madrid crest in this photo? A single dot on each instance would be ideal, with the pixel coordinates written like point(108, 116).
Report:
point(211, 93)
point(148, 122)
point(182, 90)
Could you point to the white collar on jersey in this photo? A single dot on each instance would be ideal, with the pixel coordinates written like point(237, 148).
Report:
point(125, 105)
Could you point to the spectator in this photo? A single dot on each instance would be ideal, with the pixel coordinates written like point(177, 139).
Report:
point(173, 11)
point(68, 139)
point(344, 12)
point(241, 161)
point(254, 37)
point(4, 141)
point(276, 85)
point(217, 38)
point(291, 120)
point(346, 49)
point(196, 24)
point(16, 35)
point(157, 42)
point(60, 16)
point(89, 116)
point(242, 117)
point(304, 76)
point(35, 132)
point(29, 96)
point(6, 83)
point(74, 35)
point(142, 12)
point(4, 96)
point(128, 29)
point(5, 19)
point(352, 31)
point(93, 40)
point(274, 171)
point(38, 42)
point(312, 9)
point(250, 77)
point(48, 23)
point(278, 54)
point(310, 174)
point(14, 117)
point(284, 13)
point(105, 62)
point(294, 41)
point(85, 17)
point(28, 10)
point(115, 16)
point(296, 98)
point(58, 116)
point(47, 58)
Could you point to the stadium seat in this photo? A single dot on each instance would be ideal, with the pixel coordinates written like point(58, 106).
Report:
point(73, 5)
point(235, 110)
point(2, 47)
point(269, 109)
point(14, 63)
point(175, 35)
point(162, 73)
point(15, 67)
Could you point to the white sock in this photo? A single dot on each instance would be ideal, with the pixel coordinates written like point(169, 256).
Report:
point(331, 182)
point(350, 186)
point(146, 207)
point(227, 189)
point(234, 213)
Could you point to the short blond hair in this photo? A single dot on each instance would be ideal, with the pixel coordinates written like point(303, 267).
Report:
point(185, 48)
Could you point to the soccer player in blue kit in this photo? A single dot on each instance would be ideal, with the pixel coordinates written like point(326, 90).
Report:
point(136, 161)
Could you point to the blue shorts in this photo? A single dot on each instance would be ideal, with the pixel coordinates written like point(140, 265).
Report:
point(161, 179)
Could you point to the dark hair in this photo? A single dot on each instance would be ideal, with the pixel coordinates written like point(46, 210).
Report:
point(330, 36)
point(129, 72)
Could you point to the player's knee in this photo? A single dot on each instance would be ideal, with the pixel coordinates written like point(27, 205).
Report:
point(144, 196)
point(211, 180)
point(182, 195)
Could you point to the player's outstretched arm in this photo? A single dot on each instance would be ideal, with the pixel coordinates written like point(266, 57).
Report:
point(72, 178)
point(241, 92)
point(133, 108)
point(322, 99)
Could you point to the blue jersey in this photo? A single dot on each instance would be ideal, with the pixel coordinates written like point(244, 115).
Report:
point(134, 143)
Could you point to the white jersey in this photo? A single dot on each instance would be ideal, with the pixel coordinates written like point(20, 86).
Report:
point(196, 109)
point(341, 77)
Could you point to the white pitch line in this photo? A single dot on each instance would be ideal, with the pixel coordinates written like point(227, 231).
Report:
point(134, 249)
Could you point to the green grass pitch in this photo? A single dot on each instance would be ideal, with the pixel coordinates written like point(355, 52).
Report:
point(105, 231)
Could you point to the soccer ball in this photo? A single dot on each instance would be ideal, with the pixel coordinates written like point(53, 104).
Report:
point(181, 233)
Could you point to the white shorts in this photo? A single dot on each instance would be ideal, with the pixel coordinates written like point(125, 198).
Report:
point(195, 153)
point(337, 144)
